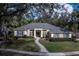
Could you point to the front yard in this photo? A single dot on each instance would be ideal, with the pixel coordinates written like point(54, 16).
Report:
point(60, 46)
point(26, 44)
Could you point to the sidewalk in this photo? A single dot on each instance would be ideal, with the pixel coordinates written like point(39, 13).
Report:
point(42, 48)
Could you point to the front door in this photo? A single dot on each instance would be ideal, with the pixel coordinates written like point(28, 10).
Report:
point(38, 33)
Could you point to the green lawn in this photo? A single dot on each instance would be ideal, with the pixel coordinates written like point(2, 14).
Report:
point(26, 44)
point(61, 46)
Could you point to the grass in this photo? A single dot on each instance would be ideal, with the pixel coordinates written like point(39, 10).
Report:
point(26, 44)
point(59, 46)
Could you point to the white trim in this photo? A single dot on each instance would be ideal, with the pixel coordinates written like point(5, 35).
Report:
point(28, 32)
point(38, 29)
point(15, 33)
point(34, 33)
point(61, 35)
point(41, 33)
point(70, 35)
point(24, 32)
point(52, 35)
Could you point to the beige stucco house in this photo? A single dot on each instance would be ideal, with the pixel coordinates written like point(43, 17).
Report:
point(42, 30)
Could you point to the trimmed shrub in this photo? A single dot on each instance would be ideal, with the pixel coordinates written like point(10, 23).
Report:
point(24, 36)
point(61, 39)
point(16, 37)
point(30, 37)
point(27, 36)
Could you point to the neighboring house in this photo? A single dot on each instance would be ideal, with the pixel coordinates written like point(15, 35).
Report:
point(42, 30)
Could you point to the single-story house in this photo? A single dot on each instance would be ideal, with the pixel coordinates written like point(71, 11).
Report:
point(42, 30)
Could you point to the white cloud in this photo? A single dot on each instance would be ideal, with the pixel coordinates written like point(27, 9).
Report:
point(69, 8)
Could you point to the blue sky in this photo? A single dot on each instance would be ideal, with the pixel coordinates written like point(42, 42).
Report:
point(75, 5)
point(68, 6)
point(71, 6)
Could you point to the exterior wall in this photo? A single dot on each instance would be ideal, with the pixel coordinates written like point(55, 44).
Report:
point(24, 32)
point(34, 33)
point(55, 35)
point(52, 35)
point(15, 33)
point(38, 29)
point(28, 32)
point(61, 35)
point(43, 31)
point(70, 35)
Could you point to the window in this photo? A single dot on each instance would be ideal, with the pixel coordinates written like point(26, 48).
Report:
point(61, 35)
point(19, 33)
point(31, 33)
point(44, 33)
point(66, 35)
point(56, 35)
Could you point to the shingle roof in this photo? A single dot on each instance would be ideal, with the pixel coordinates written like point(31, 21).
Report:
point(52, 28)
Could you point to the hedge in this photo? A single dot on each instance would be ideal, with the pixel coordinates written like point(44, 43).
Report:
point(61, 39)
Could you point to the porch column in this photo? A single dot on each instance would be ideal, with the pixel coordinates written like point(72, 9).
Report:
point(28, 32)
point(34, 33)
point(41, 33)
point(70, 35)
point(15, 33)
